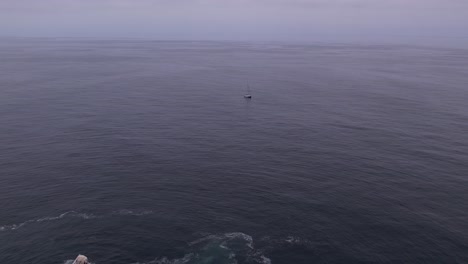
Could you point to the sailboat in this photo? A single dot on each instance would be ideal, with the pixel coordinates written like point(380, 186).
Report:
point(248, 95)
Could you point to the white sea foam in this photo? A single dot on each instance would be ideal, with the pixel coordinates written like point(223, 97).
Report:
point(165, 260)
point(67, 214)
point(12, 227)
point(296, 240)
point(203, 239)
point(130, 212)
point(257, 256)
point(233, 243)
point(239, 235)
point(72, 214)
point(230, 244)
point(265, 260)
point(47, 218)
point(226, 237)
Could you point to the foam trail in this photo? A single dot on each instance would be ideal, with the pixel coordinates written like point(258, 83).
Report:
point(47, 218)
point(227, 236)
point(243, 236)
point(73, 214)
point(265, 260)
point(219, 248)
point(130, 212)
point(164, 260)
point(11, 227)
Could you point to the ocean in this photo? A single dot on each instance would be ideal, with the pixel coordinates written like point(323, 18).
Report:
point(134, 151)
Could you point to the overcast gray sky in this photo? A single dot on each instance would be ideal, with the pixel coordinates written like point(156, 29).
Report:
point(283, 20)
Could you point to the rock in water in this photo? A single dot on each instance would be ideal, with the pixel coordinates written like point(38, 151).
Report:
point(81, 260)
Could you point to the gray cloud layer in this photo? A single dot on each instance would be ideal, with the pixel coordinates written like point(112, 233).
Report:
point(303, 20)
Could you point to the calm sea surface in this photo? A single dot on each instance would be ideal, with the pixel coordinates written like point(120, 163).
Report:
point(147, 152)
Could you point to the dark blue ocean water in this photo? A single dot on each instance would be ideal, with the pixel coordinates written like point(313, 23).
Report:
point(147, 152)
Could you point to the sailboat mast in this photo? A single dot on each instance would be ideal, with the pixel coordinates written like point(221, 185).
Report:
point(248, 95)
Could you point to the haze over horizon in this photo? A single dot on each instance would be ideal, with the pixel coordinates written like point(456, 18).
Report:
point(438, 21)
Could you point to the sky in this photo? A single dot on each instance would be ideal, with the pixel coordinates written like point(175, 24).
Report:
point(243, 20)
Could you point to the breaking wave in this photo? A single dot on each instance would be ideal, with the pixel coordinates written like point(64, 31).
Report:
point(73, 214)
